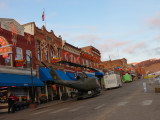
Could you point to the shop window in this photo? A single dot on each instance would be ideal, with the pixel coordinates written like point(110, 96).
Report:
point(43, 91)
point(38, 50)
point(19, 53)
point(8, 60)
point(28, 62)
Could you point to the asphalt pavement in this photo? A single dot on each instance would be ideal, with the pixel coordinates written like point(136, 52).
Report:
point(130, 102)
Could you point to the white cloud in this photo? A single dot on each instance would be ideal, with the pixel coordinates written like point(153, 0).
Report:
point(135, 47)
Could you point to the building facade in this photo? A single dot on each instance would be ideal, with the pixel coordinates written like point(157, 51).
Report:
point(115, 64)
point(16, 49)
point(48, 48)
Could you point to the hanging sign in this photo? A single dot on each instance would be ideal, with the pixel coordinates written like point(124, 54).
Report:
point(55, 60)
point(19, 63)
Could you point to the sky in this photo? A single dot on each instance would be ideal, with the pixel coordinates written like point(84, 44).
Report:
point(118, 28)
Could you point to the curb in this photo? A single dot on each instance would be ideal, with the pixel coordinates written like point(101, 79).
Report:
point(59, 102)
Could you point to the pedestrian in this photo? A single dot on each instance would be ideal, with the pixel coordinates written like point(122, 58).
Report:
point(10, 103)
point(14, 99)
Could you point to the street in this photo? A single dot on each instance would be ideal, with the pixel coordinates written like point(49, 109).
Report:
point(129, 102)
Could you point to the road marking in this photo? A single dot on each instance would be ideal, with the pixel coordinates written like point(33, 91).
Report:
point(122, 103)
point(59, 110)
point(147, 102)
point(76, 109)
point(41, 112)
point(100, 106)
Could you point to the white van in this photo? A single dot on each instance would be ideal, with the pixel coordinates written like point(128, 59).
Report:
point(112, 80)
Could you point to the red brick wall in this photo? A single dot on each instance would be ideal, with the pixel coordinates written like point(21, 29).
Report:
point(21, 42)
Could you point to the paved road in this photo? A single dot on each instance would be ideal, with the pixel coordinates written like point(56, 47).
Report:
point(126, 103)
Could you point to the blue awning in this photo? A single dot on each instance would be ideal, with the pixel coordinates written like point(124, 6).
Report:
point(99, 73)
point(90, 75)
point(71, 75)
point(18, 80)
point(62, 75)
point(44, 74)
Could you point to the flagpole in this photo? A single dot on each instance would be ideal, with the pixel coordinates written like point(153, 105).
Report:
point(44, 18)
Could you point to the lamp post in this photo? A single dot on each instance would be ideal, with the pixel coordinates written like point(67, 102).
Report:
point(32, 97)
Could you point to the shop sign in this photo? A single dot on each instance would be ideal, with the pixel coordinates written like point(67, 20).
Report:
point(5, 48)
point(55, 60)
point(19, 63)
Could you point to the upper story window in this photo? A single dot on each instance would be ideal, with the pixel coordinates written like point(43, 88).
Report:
point(87, 63)
point(28, 62)
point(71, 58)
point(66, 57)
point(38, 50)
point(19, 53)
point(46, 56)
point(58, 52)
point(90, 64)
point(52, 53)
point(8, 60)
point(74, 59)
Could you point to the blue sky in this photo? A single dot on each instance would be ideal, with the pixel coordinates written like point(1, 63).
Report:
point(118, 28)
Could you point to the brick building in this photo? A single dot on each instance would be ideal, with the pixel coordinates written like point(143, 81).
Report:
point(16, 48)
point(94, 56)
point(71, 54)
point(48, 47)
point(115, 64)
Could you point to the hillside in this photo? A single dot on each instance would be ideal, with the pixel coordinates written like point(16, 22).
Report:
point(152, 65)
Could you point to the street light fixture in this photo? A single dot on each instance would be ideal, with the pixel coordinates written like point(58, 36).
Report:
point(32, 97)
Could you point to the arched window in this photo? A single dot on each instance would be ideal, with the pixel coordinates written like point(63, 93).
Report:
point(19, 53)
point(52, 53)
point(28, 53)
point(66, 57)
point(38, 50)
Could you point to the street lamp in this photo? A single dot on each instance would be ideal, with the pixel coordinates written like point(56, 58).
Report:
point(32, 97)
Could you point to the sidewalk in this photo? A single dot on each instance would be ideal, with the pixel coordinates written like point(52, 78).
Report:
point(4, 115)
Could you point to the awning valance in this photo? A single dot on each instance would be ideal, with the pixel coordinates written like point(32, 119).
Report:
point(7, 79)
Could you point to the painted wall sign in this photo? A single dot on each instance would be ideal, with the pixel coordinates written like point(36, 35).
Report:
point(5, 47)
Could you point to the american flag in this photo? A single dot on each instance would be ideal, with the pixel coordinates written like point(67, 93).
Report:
point(43, 16)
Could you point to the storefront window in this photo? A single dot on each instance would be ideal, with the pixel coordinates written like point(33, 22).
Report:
point(28, 62)
point(18, 53)
point(38, 50)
